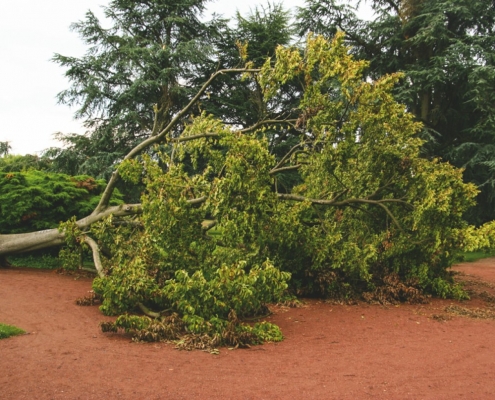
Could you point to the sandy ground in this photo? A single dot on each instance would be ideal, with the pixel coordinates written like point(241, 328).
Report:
point(329, 352)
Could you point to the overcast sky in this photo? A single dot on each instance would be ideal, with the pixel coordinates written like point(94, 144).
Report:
point(31, 31)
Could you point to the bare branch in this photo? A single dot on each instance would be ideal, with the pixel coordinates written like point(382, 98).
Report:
point(283, 169)
point(96, 255)
point(105, 198)
point(208, 224)
point(147, 311)
point(335, 203)
point(199, 200)
point(290, 152)
point(117, 211)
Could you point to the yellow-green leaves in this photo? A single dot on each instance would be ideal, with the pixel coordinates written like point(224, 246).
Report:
point(197, 139)
point(131, 170)
point(287, 66)
point(363, 211)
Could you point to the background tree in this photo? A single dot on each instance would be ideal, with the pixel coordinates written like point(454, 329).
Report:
point(143, 62)
point(252, 40)
point(17, 163)
point(34, 200)
point(4, 148)
point(446, 50)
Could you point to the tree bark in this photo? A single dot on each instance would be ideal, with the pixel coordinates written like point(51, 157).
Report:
point(24, 242)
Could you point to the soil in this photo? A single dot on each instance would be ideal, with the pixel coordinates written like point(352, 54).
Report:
point(441, 350)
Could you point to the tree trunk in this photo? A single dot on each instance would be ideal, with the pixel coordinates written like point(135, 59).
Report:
point(24, 242)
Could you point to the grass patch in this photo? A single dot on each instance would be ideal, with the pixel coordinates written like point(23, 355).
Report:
point(9, 330)
point(42, 261)
point(477, 255)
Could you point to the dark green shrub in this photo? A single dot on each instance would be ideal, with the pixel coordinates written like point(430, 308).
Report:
point(35, 200)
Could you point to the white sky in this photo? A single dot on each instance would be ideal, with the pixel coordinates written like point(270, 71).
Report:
point(31, 31)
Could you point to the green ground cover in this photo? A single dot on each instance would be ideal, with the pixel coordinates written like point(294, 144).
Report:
point(9, 330)
point(477, 255)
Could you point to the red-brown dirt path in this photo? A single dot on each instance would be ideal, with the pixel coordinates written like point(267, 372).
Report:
point(330, 351)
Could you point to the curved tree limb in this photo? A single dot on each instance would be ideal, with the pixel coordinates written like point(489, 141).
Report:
point(96, 255)
point(289, 153)
point(24, 242)
point(107, 194)
point(283, 169)
point(147, 311)
point(336, 203)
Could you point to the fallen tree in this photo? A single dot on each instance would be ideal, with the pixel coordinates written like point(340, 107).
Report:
point(219, 233)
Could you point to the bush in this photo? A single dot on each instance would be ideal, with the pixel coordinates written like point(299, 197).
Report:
point(35, 200)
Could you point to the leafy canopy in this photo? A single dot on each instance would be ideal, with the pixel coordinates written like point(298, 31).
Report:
point(212, 245)
point(445, 49)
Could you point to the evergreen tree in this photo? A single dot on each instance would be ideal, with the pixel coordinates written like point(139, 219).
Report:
point(33, 199)
point(17, 163)
point(252, 40)
point(142, 63)
point(5, 148)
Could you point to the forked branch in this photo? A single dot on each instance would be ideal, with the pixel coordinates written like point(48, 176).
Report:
point(347, 202)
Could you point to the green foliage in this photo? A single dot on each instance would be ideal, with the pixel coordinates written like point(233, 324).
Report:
point(445, 289)
point(71, 254)
point(392, 211)
point(43, 260)
point(16, 163)
point(9, 330)
point(445, 49)
point(172, 264)
point(35, 200)
point(172, 328)
point(369, 217)
point(472, 256)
